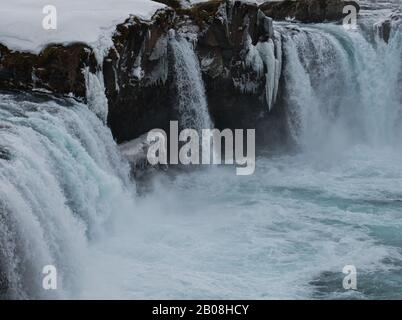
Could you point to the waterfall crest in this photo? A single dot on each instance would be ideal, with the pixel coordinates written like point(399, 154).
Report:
point(61, 178)
point(95, 94)
point(63, 183)
point(191, 98)
point(341, 85)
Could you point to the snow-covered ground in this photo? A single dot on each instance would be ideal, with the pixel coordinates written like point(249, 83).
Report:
point(90, 21)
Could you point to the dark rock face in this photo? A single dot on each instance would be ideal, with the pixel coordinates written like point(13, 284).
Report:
point(57, 69)
point(225, 34)
point(231, 39)
point(224, 43)
point(228, 33)
point(386, 30)
point(136, 78)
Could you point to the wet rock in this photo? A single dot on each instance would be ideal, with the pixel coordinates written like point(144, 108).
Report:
point(57, 69)
point(385, 27)
point(144, 99)
point(231, 38)
point(137, 77)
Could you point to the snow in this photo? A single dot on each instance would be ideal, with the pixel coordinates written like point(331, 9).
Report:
point(92, 21)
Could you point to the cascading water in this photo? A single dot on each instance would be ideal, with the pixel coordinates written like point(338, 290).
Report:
point(341, 85)
point(191, 99)
point(95, 94)
point(285, 232)
point(61, 177)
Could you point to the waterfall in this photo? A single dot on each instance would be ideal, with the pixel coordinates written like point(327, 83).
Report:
point(95, 93)
point(61, 178)
point(191, 99)
point(64, 184)
point(340, 85)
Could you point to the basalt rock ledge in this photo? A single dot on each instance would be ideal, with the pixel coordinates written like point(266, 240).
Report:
point(239, 53)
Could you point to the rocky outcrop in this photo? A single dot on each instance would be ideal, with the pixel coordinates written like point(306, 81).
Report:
point(237, 46)
point(57, 69)
point(239, 56)
point(232, 58)
point(384, 28)
point(136, 77)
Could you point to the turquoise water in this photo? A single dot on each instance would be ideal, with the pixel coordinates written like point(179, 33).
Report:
point(286, 232)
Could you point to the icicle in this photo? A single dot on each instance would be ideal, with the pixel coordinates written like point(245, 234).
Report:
point(95, 92)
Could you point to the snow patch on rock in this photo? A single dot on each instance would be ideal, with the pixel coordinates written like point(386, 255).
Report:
point(92, 22)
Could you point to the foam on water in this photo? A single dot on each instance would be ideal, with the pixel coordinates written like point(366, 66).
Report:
point(60, 184)
point(285, 232)
point(288, 230)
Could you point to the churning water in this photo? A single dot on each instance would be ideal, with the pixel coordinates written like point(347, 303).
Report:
point(285, 232)
point(62, 181)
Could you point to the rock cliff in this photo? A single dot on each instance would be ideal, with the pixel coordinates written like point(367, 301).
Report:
point(238, 49)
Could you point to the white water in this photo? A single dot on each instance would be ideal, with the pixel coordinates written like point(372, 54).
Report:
point(285, 232)
point(288, 230)
point(191, 99)
point(95, 94)
point(296, 221)
point(341, 88)
point(59, 190)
